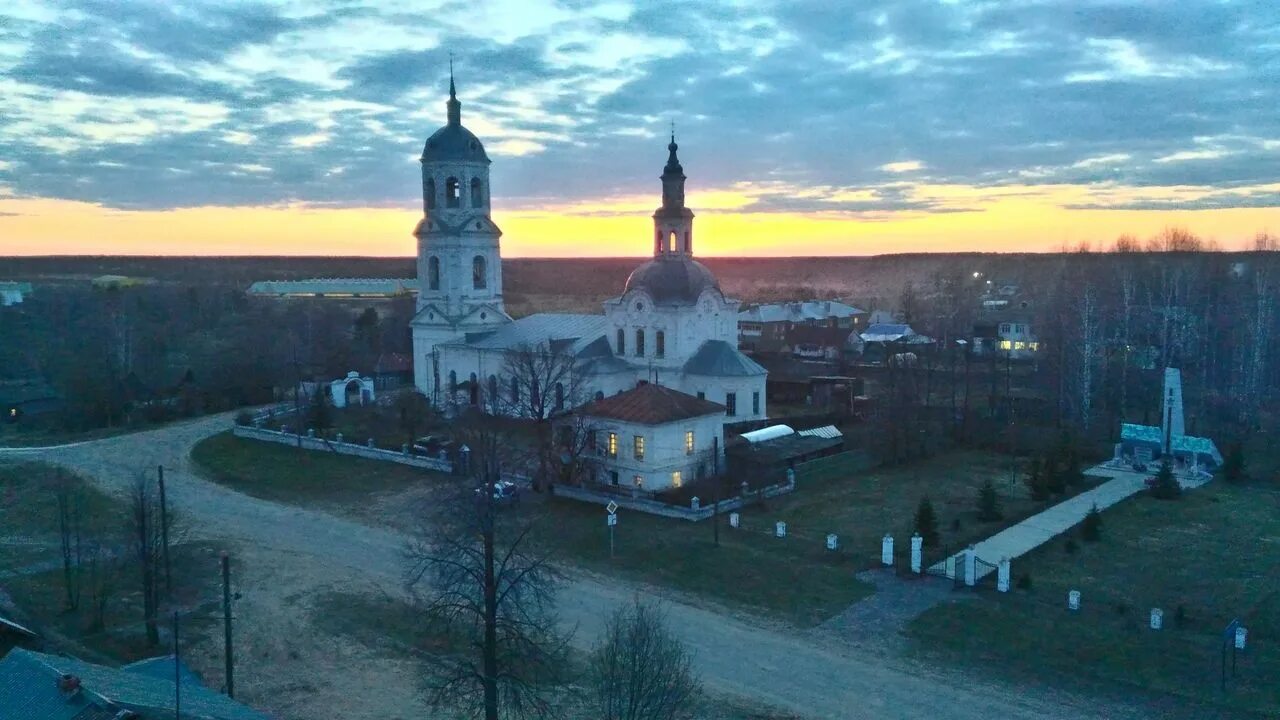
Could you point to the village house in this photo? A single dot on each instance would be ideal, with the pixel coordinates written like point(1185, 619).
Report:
point(1005, 333)
point(650, 438)
point(774, 327)
point(13, 293)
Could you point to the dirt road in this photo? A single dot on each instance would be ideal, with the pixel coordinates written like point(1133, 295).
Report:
point(290, 554)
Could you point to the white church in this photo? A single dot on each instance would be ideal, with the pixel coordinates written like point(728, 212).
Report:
point(671, 325)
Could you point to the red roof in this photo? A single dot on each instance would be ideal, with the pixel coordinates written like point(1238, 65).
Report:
point(651, 404)
point(393, 363)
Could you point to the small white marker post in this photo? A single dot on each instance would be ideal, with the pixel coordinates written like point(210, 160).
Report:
point(612, 521)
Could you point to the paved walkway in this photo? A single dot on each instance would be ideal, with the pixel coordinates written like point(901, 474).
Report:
point(1043, 527)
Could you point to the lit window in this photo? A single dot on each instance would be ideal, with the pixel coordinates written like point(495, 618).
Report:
point(1005, 345)
point(676, 479)
point(1033, 346)
point(613, 445)
point(638, 447)
point(639, 481)
point(1019, 345)
point(688, 442)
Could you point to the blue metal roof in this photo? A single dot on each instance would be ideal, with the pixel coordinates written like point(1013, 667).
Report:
point(1181, 443)
point(29, 686)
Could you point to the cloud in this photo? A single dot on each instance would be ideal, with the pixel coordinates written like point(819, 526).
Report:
point(164, 105)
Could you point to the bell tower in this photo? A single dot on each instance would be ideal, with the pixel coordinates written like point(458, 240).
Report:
point(673, 222)
point(459, 256)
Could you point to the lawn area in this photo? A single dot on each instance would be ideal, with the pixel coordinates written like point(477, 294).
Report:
point(282, 473)
point(1205, 559)
point(29, 511)
point(29, 536)
point(794, 578)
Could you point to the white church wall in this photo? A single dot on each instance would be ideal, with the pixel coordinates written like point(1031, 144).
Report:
point(716, 389)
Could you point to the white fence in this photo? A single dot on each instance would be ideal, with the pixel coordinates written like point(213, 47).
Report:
point(342, 448)
point(655, 507)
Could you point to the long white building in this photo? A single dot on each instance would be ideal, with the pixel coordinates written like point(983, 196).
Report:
point(671, 325)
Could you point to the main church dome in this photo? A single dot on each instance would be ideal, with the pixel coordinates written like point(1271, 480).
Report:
point(672, 279)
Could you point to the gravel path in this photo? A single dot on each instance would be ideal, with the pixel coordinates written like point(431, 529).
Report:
point(292, 553)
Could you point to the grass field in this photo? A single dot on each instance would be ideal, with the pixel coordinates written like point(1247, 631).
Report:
point(794, 578)
point(1204, 560)
point(340, 483)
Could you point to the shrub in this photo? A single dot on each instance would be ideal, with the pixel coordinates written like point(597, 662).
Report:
point(1024, 582)
point(1122, 608)
point(1071, 547)
point(244, 417)
point(319, 414)
point(988, 503)
point(955, 525)
point(1166, 486)
point(1180, 617)
point(1091, 526)
point(926, 524)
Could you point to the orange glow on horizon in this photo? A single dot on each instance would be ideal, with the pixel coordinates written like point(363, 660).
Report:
point(1006, 219)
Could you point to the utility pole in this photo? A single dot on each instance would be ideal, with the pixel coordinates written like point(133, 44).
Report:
point(177, 672)
point(164, 536)
point(226, 624)
point(297, 401)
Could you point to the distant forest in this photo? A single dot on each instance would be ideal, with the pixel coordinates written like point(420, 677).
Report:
point(193, 341)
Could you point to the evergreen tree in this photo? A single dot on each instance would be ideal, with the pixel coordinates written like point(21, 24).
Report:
point(988, 503)
point(1166, 486)
point(1036, 482)
point(1233, 463)
point(1091, 526)
point(927, 523)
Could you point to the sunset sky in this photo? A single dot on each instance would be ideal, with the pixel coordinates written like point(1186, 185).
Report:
point(805, 128)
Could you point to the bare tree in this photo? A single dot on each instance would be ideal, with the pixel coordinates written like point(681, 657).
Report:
point(69, 497)
point(148, 549)
point(476, 574)
point(543, 381)
point(640, 670)
point(1264, 241)
point(1126, 244)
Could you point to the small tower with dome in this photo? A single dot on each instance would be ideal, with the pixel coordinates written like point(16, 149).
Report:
point(459, 257)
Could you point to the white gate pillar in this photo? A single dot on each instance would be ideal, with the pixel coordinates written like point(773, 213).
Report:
point(917, 552)
point(1002, 576)
point(886, 551)
point(970, 566)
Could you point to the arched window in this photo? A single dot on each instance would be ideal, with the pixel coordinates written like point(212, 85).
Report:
point(599, 395)
point(671, 241)
point(657, 240)
point(535, 398)
point(493, 392)
point(622, 342)
point(477, 193)
point(639, 342)
point(452, 192)
point(515, 391)
point(479, 278)
point(433, 273)
point(659, 344)
point(559, 396)
point(453, 384)
point(429, 191)
point(688, 244)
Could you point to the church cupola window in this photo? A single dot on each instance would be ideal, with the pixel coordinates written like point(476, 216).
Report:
point(477, 193)
point(452, 193)
point(479, 276)
point(433, 273)
point(429, 191)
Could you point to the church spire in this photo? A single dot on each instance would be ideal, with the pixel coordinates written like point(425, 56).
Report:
point(454, 107)
point(673, 176)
